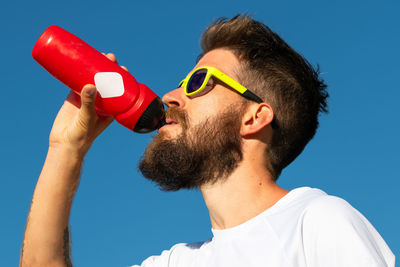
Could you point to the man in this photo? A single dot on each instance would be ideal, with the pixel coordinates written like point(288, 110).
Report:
point(245, 111)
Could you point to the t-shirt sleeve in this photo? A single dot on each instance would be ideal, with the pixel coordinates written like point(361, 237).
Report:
point(336, 234)
point(156, 261)
point(178, 255)
point(161, 260)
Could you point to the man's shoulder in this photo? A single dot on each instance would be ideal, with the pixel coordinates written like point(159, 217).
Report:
point(311, 210)
point(180, 252)
point(315, 202)
point(327, 211)
point(327, 207)
point(333, 229)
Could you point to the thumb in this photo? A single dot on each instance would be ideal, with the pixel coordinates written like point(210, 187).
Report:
point(88, 98)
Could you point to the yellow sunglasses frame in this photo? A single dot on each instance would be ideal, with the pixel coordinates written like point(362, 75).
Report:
point(211, 71)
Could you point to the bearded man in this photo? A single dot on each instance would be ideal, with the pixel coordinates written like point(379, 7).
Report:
point(245, 111)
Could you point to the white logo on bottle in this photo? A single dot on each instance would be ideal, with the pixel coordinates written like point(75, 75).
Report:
point(109, 84)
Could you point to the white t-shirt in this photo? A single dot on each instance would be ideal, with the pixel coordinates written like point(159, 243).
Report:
point(306, 227)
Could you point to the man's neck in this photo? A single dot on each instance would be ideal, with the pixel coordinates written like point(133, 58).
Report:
point(247, 192)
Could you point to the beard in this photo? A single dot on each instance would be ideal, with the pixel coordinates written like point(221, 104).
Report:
point(202, 154)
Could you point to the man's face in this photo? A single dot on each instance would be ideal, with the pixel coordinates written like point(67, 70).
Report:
point(203, 143)
point(209, 104)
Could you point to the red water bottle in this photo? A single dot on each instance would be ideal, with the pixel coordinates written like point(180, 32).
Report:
point(75, 63)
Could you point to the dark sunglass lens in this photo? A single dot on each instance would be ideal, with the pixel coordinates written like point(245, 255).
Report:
point(196, 81)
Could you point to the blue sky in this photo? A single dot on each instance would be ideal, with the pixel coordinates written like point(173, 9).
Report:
point(118, 218)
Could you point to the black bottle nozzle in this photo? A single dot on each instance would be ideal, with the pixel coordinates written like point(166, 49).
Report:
point(152, 118)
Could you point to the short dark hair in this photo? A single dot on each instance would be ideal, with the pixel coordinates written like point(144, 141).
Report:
point(278, 74)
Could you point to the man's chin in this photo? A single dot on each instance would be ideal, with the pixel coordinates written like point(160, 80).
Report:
point(182, 157)
point(169, 132)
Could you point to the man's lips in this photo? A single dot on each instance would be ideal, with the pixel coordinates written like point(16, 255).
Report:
point(168, 122)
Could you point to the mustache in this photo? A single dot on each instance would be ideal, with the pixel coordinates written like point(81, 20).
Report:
point(178, 115)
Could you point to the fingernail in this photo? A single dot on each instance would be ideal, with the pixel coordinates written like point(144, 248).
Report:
point(90, 91)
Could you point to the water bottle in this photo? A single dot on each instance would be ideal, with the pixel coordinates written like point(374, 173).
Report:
point(75, 63)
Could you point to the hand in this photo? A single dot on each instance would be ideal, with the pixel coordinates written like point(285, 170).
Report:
point(77, 124)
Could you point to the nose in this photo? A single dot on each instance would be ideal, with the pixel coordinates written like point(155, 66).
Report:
point(174, 98)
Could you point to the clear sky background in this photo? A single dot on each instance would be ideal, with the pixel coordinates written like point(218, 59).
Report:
point(119, 218)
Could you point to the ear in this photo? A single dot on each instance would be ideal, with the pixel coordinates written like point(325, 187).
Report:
point(256, 118)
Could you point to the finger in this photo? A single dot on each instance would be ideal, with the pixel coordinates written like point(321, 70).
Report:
point(111, 57)
point(125, 68)
point(88, 98)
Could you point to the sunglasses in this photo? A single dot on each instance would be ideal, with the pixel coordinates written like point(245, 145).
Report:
point(202, 79)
